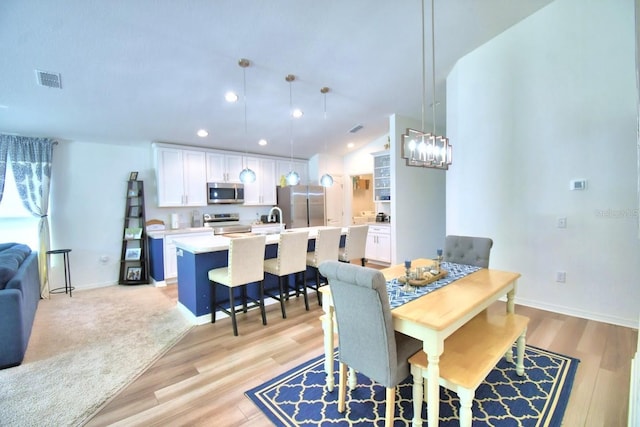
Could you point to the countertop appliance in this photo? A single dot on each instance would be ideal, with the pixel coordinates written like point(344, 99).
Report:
point(382, 217)
point(302, 205)
point(224, 193)
point(225, 223)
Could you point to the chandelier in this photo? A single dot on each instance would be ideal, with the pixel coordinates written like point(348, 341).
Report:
point(420, 148)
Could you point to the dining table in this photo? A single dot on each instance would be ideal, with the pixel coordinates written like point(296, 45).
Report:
point(435, 311)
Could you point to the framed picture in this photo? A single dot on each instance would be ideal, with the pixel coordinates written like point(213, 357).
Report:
point(132, 254)
point(132, 233)
point(133, 176)
point(134, 273)
point(134, 211)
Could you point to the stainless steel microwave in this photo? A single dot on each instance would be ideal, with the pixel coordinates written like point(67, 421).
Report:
point(224, 193)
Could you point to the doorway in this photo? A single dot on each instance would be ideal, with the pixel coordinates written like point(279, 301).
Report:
point(362, 205)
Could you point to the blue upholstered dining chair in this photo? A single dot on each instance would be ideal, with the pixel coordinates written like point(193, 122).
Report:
point(468, 250)
point(368, 342)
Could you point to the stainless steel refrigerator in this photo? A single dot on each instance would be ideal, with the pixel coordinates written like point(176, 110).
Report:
point(302, 205)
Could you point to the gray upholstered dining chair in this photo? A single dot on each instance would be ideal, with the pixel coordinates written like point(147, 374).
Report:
point(368, 342)
point(355, 244)
point(468, 250)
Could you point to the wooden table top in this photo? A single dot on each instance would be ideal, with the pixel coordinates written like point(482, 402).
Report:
point(438, 310)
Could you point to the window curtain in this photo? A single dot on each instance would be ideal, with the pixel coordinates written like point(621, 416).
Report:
point(4, 149)
point(31, 162)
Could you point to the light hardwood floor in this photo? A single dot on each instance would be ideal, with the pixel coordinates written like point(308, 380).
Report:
point(201, 381)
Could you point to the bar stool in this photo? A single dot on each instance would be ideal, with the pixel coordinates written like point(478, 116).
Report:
point(355, 244)
point(327, 248)
point(244, 266)
point(67, 271)
point(291, 259)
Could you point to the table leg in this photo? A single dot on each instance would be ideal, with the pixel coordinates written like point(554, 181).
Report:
point(510, 300)
point(327, 327)
point(417, 396)
point(433, 389)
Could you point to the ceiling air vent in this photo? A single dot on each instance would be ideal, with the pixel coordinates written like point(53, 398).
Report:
point(48, 79)
point(355, 129)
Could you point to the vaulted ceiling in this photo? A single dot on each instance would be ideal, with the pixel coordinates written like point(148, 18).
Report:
point(157, 70)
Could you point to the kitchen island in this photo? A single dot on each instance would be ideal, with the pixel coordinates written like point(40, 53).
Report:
point(198, 254)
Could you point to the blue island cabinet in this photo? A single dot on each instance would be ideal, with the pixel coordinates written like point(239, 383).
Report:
point(194, 289)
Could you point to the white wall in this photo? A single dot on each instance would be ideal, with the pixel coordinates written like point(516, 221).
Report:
point(87, 206)
point(418, 211)
point(550, 100)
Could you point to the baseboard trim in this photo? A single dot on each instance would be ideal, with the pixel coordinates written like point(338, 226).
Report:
point(569, 311)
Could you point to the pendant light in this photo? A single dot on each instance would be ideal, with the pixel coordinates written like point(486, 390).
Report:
point(420, 148)
point(292, 177)
point(247, 176)
point(326, 180)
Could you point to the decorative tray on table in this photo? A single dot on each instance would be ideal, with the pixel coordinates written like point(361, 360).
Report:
point(427, 277)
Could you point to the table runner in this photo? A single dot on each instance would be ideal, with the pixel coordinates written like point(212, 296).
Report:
point(397, 296)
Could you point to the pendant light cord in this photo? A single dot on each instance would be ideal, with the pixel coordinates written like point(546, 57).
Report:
point(290, 126)
point(424, 79)
point(433, 66)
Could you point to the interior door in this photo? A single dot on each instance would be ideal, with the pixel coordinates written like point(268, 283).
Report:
point(334, 198)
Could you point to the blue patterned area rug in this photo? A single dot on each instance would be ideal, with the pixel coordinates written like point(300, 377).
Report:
point(539, 398)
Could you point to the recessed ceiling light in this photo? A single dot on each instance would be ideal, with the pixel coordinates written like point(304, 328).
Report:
point(231, 96)
point(297, 113)
point(350, 145)
point(262, 142)
point(202, 133)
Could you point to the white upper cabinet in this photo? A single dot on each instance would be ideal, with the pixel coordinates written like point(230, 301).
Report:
point(263, 190)
point(283, 167)
point(223, 167)
point(181, 177)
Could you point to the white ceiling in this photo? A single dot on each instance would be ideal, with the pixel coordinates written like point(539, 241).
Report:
point(157, 70)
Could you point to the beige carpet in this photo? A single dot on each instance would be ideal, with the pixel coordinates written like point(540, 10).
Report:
point(83, 350)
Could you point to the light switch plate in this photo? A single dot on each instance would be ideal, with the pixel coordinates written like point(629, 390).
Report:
point(578, 184)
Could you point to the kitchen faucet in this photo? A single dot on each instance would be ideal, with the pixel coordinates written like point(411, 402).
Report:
point(270, 215)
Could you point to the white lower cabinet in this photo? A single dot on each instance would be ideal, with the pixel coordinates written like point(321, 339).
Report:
point(169, 253)
point(378, 248)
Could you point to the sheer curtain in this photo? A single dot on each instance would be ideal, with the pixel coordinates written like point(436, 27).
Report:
point(31, 162)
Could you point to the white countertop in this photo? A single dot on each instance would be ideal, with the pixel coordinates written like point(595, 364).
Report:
point(159, 234)
point(204, 244)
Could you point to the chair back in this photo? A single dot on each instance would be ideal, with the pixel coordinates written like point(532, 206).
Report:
point(246, 260)
point(355, 243)
point(327, 245)
point(292, 252)
point(365, 326)
point(468, 250)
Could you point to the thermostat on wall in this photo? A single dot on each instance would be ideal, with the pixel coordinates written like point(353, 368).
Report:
point(578, 184)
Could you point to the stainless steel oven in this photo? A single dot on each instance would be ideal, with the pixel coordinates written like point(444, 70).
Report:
point(224, 193)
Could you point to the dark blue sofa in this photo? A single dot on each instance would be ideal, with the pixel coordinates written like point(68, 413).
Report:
point(19, 297)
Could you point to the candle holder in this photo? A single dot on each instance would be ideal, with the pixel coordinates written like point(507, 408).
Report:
point(407, 271)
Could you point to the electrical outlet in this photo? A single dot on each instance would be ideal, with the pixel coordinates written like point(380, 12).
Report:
point(562, 222)
point(104, 259)
point(561, 277)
